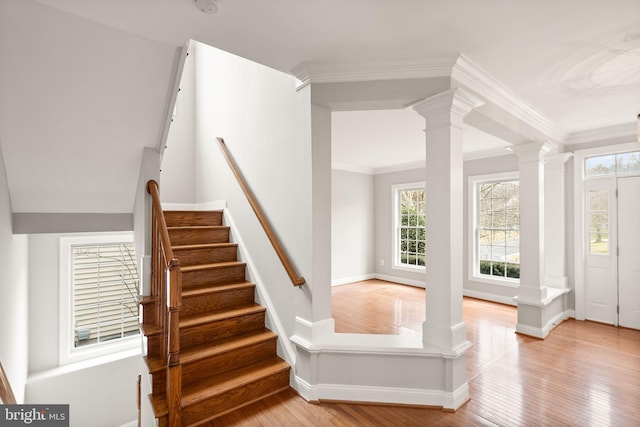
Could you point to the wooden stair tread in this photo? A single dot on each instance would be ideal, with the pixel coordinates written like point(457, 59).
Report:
point(156, 364)
point(198, 267)
point(159, 405)
point(212, 289)
point(191, 211)
point(199, 319)
point(225, 345)
point(217, 385)
point(212, 386)
point(198, 227)
point(228, 355)
point(149, 329)
point(202, 246)
point(146, 299)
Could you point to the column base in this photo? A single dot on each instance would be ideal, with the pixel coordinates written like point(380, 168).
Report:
point(538, 318)
point(450, 338)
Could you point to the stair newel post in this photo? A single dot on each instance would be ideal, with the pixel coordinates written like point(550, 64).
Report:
point(174, 367)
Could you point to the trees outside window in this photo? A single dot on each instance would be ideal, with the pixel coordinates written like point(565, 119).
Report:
point(409, 227)
point(499, 229)
point(494, 212)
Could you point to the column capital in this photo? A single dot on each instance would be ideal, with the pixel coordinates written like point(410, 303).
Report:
point(557, 161)
point(455, 102)
point(531, 151)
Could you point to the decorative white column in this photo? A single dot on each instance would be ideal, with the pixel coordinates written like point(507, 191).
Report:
point(554, 226)
point(531, 167)
point(444, 114)
point(540, 307)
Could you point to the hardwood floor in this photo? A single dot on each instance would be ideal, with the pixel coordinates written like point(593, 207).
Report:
point(583, 374)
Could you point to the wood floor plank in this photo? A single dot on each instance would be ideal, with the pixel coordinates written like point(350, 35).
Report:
point(583, 374)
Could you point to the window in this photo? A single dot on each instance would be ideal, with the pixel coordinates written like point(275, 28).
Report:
point(99, 289)
point(612, 164)
point(598, 214)
point(495, 255)
point(409, 226)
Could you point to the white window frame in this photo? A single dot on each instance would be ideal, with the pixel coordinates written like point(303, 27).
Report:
point(68, 353)
point(395, 197)
point(473, 217)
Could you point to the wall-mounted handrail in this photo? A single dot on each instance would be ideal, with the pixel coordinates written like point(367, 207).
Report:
point(168, 300)
point(296, 279)
point(6, 393)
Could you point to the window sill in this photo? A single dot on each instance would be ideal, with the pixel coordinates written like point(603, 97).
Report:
point(416, 269)
point(508, 283)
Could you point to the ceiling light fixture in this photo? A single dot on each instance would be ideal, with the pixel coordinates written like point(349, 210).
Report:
point(207, 6)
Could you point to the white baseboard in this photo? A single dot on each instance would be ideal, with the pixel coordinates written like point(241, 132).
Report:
point(544, 332)
point(555, 321)
point(530, 330)
point(287, 346)
point(133, 423)
point(377, 394)
point(401, 280)
point(347, 280)
point(304, 389)
point(489, 297)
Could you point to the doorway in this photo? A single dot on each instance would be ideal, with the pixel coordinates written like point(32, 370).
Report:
point(612, 258)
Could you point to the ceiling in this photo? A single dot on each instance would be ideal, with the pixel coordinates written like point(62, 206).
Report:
point(577, 62)
point(85, 85)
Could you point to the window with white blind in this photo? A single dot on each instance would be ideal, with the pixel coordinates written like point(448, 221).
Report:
point(99, 289)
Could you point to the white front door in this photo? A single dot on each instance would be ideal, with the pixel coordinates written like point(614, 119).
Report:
point(629, 251)
point(612, 207)
point(601, 260)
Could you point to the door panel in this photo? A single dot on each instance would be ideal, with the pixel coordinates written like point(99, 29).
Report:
point(629, 256)
point(601, 261)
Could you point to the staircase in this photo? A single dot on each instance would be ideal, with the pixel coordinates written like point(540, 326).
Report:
point(227, 356)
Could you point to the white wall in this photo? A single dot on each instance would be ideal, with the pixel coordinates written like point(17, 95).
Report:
point(98, 394)
point(267, 127)
point(13, 295)
point(352, 226)
point(178, 173)
point(384, 225)
point(80, 101)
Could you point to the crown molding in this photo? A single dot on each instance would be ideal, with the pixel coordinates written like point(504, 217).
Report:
point(351, 168)
point(458, 101)
point(419, 164)
point(382, 68)
point(471, 75)
point(623, 130)
point(461, 70)
point(485, 154)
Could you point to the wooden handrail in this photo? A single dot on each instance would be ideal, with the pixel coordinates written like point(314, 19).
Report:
point(296, 279)
point(152, 189)
point(168, 300)
point(6, 394)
